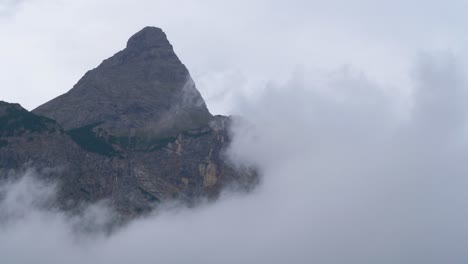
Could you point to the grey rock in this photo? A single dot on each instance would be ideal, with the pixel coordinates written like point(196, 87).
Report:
point(142, 90)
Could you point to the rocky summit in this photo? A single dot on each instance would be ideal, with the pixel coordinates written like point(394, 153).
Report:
point(134, 132)
point(143, 90)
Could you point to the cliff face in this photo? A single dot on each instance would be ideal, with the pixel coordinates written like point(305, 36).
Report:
point(134, 131)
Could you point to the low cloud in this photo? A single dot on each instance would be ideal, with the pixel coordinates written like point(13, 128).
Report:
point(352, 172)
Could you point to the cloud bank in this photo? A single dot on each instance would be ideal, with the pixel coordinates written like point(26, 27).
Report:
point(352, 172)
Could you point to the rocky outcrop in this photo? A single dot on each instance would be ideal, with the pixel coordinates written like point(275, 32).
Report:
point(134, 131)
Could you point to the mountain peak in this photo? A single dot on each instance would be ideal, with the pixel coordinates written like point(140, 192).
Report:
point(148, 37)
point(134, 131)
point(144, 89)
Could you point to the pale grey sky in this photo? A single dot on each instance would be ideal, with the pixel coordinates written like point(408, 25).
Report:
point(231, 47)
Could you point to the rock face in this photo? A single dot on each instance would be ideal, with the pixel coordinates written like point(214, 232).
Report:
point(142, 90)
point(134, 131)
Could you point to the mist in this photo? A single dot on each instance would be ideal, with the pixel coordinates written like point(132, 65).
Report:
point(351, 172)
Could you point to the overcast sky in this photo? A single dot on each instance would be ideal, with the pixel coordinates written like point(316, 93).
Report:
point(360, 121)
point(231, 48)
